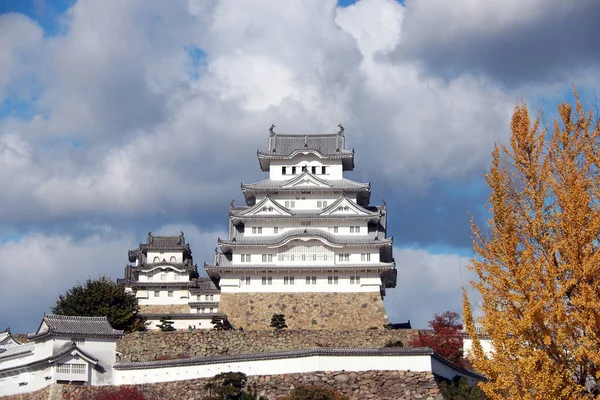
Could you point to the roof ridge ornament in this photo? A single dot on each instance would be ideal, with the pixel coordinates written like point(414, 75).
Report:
point(271, 132)
point(341, 131)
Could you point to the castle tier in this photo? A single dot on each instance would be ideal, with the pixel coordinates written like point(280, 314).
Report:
point(307, 243)
point(164, 279)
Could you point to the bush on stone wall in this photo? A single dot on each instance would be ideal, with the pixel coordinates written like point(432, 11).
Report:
point(229, 386)
point(278, 322)
point(314, 393)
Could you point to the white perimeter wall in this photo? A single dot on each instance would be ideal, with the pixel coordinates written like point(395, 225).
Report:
point(276, 367)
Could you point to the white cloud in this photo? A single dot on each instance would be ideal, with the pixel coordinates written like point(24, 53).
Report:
point(427, 284)
point(19, 36)
point(117, 83)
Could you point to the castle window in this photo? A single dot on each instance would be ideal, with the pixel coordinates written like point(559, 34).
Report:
point(314, 170)
point(157, 293)
point(293, 170)
point(276, 229)
point(365, 257)
point(335, 229)
point(314, 280)
point(211, 310)
point(355, 280)
point(257, 230)
point(156, 259)
point(323, 170)
point(288, 280)
point(150, 277)
point(172, 259)
point(283, 170)
point(198, 297)
point(332, 280)
point(344, 257)
point(264, 280)
point(304, 169)
point(270, 280)
point(267, 258)
point(203, 310)
point(308, 280)
point(247, 280)
point(170, 293)
point(290, 204)
point(305, 223)
point(245, 257)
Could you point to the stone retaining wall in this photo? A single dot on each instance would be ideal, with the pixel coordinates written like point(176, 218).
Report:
point(336, 311)
point(150, 346)
point(384, 385)
point(164, 309)
point(41, 394)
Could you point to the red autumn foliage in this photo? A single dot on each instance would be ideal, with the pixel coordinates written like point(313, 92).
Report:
point(445, 337)
point(119, 393)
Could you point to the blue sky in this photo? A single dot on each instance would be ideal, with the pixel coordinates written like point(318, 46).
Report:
point(123, 117)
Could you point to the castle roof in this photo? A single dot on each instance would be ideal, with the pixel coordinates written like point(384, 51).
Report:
point(324, 145)
point(161, 243)
point(329, 185)
point(376, 238)
point(53, 325)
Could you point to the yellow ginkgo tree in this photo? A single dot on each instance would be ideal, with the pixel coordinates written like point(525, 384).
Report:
point(538, 261)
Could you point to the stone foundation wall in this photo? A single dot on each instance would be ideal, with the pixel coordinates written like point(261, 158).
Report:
point(41, 394)
point(165, 309)
point(383, 385)
point(336, 311)
point(152, 345)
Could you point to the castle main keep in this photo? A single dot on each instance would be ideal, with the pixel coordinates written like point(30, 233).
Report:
point(307, 243)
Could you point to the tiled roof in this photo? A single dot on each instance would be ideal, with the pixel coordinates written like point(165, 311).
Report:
point(44, 362)
point(77, 326)
point(372, 238)
point(161, 243)
point(334, 185)
point(327, 144)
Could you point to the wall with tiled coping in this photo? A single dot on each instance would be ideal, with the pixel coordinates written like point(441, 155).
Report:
point(150, 346)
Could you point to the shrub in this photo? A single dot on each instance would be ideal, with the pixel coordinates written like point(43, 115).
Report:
point(165, 325)
point(278, 322)
point(459, 389)
point(397, 343)
point(314, 393)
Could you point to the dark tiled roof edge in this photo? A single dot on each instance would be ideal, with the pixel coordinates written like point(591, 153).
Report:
point(319, 351)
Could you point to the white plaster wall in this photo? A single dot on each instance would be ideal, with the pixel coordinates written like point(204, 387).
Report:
point(170, 275)
point(180, 296)
point(334, 167)
point(182, 324)
point(202, 297)
point(235, 283)
point(166, 256)
point(355, 257)
point(32, 381)
point(486, 346)
point(18, 355)
point(326, 226)
point(276, 367)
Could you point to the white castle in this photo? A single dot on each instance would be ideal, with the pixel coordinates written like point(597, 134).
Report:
point(307, 243)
